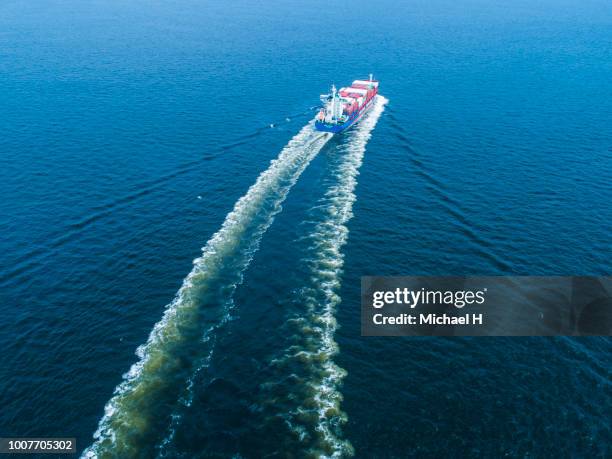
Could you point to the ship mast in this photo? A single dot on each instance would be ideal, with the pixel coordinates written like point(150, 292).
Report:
point(333, 104)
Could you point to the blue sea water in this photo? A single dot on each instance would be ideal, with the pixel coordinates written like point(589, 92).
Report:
point(130, 130)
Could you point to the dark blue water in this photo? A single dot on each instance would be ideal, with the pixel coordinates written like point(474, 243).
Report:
point(130, 130)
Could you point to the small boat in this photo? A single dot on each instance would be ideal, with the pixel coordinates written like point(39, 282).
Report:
point(343, 108)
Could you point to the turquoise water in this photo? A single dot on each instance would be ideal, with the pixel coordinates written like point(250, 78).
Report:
point(130, 132)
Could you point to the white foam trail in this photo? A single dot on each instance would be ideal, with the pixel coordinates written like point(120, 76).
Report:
point(123, 430)
point(318, 418)
point(330, 236)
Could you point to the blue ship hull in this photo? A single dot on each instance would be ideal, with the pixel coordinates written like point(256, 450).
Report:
point(335, 128)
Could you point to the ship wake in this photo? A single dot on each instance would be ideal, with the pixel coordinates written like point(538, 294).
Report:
point(182, 340)
point(312, 409)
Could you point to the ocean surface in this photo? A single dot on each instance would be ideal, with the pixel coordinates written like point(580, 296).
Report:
point(182, 252)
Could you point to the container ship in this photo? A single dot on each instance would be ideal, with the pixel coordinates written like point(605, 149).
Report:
point(345, 107)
